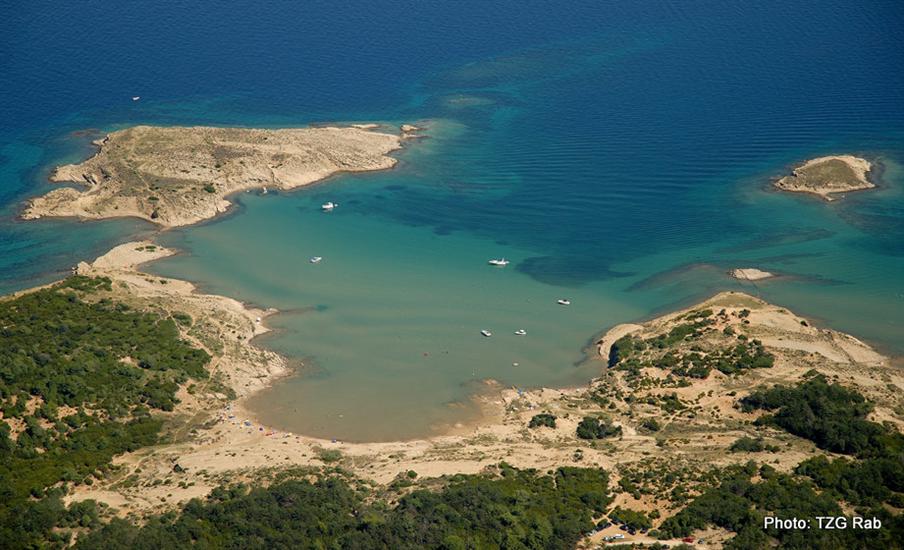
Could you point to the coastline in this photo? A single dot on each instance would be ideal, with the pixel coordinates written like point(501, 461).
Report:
point(221, 440)
point(830, 176)
point(215, 438)
point(109, 185)
point(282, 373)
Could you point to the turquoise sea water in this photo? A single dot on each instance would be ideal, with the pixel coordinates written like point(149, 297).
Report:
point(618, 155)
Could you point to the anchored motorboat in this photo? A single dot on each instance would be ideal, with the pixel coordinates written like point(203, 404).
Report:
point(486, 333)
point(136, 97)
point(563, 302)
point(520, 332)
point(501, 262)
point(316, 259)
point(328, 206)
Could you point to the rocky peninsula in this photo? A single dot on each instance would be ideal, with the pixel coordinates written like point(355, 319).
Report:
point(175, 176)
point(828, 176)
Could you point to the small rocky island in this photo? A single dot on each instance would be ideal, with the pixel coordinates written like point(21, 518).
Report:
point(827, 176)
point(176, 176)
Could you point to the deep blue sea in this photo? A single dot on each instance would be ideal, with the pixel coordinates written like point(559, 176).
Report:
point(619, 153)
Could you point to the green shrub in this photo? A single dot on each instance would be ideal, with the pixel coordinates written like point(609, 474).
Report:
point(748, 445)
point(542, 420)
point(595, 428)
point(183, 319)
point(630, 518)
point(651, 424)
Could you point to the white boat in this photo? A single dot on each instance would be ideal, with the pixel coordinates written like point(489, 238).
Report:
point(316, 259)
point(521, 332)
point(328, 206)
point(486, 333)
point(563, 302)
point(502, 262)
point(136, 97)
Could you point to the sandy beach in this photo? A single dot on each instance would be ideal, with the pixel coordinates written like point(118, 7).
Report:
point(216, 438)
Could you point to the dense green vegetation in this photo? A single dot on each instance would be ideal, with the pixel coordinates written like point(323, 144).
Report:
point(740, 504)
point(834, 418)
point(865, 482)
point(596, 428)
point(830, 415)
point(78, 380)
point(515, 509)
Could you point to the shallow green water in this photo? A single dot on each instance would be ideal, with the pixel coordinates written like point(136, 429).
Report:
point(388, 323)
point(618, 154)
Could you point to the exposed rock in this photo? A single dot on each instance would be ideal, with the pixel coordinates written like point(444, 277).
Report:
point(177, 176)
point(826, 176)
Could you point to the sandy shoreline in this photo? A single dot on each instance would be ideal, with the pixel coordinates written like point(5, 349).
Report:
point(218, 440)
point(604, 344)
point(215, 438)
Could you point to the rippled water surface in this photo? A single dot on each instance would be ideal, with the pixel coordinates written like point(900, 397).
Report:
point(618, 155)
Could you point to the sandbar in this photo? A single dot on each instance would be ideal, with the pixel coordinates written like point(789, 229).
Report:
point(750, 274)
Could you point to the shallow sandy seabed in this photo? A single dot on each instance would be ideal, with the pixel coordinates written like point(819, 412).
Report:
point(217, 440)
